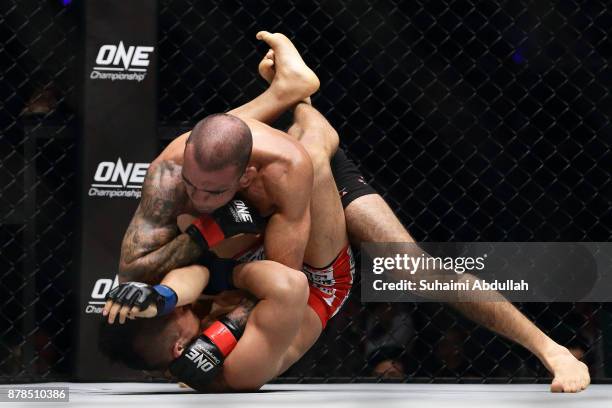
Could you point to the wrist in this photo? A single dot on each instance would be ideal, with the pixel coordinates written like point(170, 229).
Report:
point(547, 349)
point(222, 336)
point(167, 299)
point(205, 232)
point(233, 327)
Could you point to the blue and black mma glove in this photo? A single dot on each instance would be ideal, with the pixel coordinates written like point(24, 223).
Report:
point(201, 361)
point(142, 295)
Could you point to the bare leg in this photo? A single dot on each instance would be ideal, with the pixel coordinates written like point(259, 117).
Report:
point(309, 333)
point(272, 325)
point(369, 219)
point(328, 231)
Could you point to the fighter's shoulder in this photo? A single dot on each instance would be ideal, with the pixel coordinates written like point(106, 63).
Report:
point(163, 192)
point(284, 157)
point(282, 151)
point(164, 174)
point(288, 180)
point(174, 150)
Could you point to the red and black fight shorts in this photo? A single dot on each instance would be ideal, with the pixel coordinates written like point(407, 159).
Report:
point(329, 286)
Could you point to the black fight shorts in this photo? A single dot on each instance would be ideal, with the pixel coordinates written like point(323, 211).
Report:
point(349, 180)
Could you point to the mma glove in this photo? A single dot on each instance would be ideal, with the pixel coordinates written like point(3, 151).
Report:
point(236, 217)
point(201, 361)
point(142, 295)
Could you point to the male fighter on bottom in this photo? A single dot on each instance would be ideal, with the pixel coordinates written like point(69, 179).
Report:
point(369, 219)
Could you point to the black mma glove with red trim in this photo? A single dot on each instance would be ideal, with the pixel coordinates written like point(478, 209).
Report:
point(236, 217)
point(201, 361)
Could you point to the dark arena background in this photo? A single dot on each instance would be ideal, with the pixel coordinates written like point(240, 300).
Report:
point(477, 121)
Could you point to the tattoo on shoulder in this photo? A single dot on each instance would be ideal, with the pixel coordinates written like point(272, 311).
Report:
point(163, 193)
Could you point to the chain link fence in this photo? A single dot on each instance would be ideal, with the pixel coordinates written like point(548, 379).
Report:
point(476, 121)
point(38, 161)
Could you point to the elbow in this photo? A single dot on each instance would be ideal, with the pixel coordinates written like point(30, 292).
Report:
point(126, 272)
point(134, 271)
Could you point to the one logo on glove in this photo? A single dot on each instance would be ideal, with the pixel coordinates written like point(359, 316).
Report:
point(201, 357)
point(240, 211)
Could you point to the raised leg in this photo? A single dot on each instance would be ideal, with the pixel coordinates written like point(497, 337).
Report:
point(292, 81)
point(272, 325)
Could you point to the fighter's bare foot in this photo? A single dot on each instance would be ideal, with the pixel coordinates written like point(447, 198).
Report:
point(267, 72)
point(570, 374)
point(266, 67)
point(287, 73)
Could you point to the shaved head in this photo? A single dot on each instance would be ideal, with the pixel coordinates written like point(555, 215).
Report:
point(220, 140)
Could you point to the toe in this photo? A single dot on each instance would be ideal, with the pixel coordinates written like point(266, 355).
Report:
point(274, 40)
point(556, 386)
point(262, 35)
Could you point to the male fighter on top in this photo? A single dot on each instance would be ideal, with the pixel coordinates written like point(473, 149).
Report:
point(270, 343)
point(327, 261)
point(370, 219)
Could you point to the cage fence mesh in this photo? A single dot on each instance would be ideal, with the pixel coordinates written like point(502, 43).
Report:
point(476, 121)
point(37, 189)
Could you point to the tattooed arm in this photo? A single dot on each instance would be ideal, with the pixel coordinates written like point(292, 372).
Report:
point(153, 244)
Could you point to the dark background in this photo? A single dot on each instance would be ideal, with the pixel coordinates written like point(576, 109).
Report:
point(476, 121)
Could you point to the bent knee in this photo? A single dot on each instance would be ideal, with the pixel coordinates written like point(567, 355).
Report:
point(293, 287)
point(321, 143)
point(289, 286)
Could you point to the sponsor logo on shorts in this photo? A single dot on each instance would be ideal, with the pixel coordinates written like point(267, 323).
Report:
point(121, 63)
point(116, 179)
point(98, 293)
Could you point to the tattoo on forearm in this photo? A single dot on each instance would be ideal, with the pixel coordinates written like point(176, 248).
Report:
point(153, 244)
point(181, 251)
point(240, 314)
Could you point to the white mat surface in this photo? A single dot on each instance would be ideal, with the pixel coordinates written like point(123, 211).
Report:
point(115, 395)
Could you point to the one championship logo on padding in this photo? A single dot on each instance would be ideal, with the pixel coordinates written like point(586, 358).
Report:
point(98, 294)
point(116, 179)
point(121, 63)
